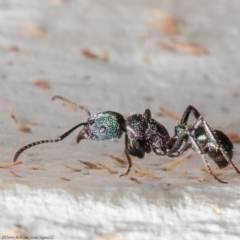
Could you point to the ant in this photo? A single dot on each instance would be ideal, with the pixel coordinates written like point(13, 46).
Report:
point(143, 134)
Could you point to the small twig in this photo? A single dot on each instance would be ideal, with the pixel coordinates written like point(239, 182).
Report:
point(14, 174)
point(118, 160)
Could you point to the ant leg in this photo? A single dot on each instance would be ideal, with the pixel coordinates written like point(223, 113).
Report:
point(128, 157)
point(187, 112)
point(181, 151)
point(210, 134)
point(57, 139)
point(177, 145)
point(229, 160)
point(198, 151)
point(158, 151)
point(209, 169)
point(174, 151)
point(74, 104)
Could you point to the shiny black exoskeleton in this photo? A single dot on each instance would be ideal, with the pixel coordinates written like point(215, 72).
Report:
point(203, 140)
point(142, 133)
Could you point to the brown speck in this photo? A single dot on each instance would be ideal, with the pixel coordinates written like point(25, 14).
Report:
point(183, 47)
point(224, 109)
point(235, 94)
point(15, 174)
point(170, 185)
point(9, 165)
point(13, 48)
point(35, 168)
point(167, 46)
point(118, 160)
point(207, 172)
point(144, 173)
point(169, 113)
point(21, 127)
point(166, 27)
point(73, 169)
point(34, 30)
point(65, 179)
point(90, 165)
point(90, 54)
point(42, 84)
point(204, 181)
point(235, 137)
point(178, 161)
point(149, 99)
point(109, 237)
point(166, 22)
point(107, 168)
point(135, 180)
point(87, 77)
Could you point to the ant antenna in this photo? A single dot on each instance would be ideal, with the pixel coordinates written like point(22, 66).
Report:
point(57, 139)
point(74, 104)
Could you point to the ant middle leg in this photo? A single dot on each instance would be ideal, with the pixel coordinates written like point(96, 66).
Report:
point(187, 112)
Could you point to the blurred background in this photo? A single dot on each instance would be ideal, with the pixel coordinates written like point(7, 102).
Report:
point(123, 56)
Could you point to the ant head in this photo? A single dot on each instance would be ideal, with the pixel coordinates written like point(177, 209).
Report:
point(103, 126)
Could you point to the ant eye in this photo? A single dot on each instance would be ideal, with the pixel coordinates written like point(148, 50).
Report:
point(102, 129)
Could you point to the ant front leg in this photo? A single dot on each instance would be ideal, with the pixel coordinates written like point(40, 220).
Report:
point(127, 145)
point(136, 148)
